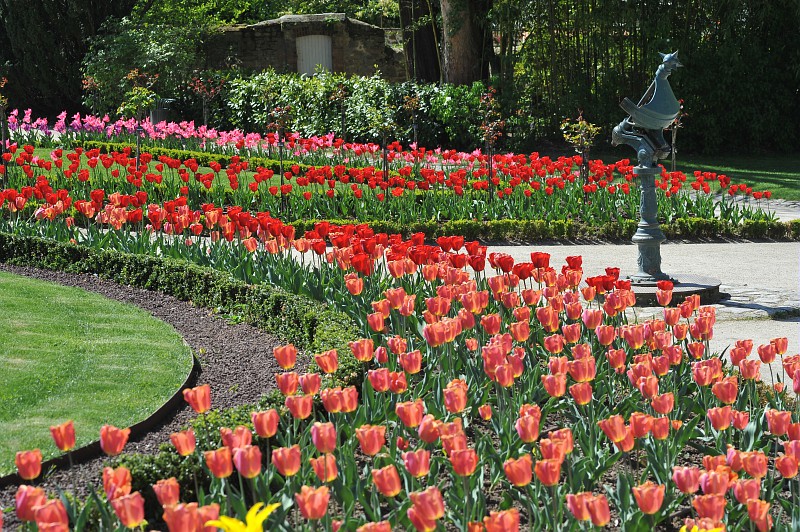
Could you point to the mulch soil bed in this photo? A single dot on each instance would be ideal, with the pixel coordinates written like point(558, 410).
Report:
point(235, 359)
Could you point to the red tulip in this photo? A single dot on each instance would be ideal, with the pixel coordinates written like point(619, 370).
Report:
point(313, 502)
point(519, 471)
point(649, 497)
point(266, 422)
point(287, 382)
point(116, 482)
point(167, 491)
point(286, 355)
point(715, 482)
point(387, 480)
point(323, 436)
point(287, 460)
point(64, 436)
point(29, 464)
point(325, 467)
point(129, 509)
point(27, 499)
point(113, 440)
point(528, 428)
point(199, 398)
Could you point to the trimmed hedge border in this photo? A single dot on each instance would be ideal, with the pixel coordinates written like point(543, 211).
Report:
point(311, 325)
point(202, 157)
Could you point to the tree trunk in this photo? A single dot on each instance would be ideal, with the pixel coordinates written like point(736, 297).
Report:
point(423, 62)
point(465, 35)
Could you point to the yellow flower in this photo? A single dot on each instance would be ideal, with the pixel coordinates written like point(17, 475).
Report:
point(696, 528)
point(255, 519)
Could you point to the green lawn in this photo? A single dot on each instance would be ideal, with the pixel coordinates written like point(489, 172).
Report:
point(66, 353)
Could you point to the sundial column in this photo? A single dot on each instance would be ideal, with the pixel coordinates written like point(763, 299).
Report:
point(648, 235)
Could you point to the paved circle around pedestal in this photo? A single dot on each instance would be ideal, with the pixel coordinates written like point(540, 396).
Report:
point(685, 285)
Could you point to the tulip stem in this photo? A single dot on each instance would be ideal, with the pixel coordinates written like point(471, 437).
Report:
point(467, 497)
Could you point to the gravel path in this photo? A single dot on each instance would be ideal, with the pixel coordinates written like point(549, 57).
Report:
point(236, 360)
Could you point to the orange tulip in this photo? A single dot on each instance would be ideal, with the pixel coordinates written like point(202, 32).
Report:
point(520, 330)
point(464, 461)
point(528, 428)
point(649, 497)
point(113, 440)
point(598, 510)
point(548, 471)
point(758, 511)
point(429, 429)
point(310, 383)
point(411, 362)
point(199, 398)
point(746, 489)
point(641, 424)
point(755, 463)
point(219, 462)
point(129, 509)
point(710, 506)
point(491, 323)
point(184, 442)
point(313, 503)
point(363, 349)
point(27, 499)
point(687, 479)
point(715, 482)
point(266, 422)
point(382, 526)
point(429, 503)
point(455, 396)
point(180, 517)
point(116, 482)
point(397, 382)
point(371, 438)
point(767, 353)
point(726, 390)
point(485, 411)
point(410, 412)
point(720, 417)
point(576, 503)
point(64, 435)
point(581, 392)
point(613, 428)
point(504, 521)
point(52, 515)
point(29, 464)
point(661, 426)
point(418, 463)
point(287, 460)
point(663, 404)
point(582, 370)
point(325, 467)
point(519, 471)
point(237, 438)
point(387, 480)
point(780, 344)
point(286, 355)
point(740, 419)
point(750, 369)
point(778, 421)
point(419, 522)
point(354, 284)
point(247, 460)
point(328, 361)
point(787, 465)
point(287, 382)
point(168, 491)
point(299, 405)
point(323, 436)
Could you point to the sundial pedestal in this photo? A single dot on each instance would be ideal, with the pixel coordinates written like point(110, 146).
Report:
point(648, 236)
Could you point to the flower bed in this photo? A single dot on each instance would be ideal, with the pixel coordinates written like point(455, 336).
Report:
point(494, 393)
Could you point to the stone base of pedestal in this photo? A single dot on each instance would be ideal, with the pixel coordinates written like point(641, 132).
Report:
point(685, 285)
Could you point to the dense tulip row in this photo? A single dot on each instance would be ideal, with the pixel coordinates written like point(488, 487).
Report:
point(497, 395)
point(531, 186)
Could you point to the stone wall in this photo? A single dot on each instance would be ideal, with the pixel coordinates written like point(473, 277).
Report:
point(356, 47)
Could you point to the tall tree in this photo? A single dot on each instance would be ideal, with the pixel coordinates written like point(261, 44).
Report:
point(467, 40)
point(47, 40)
point(420, 41)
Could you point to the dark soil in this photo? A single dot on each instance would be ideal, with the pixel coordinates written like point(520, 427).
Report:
point(235, 359)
